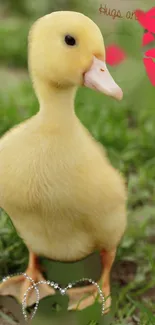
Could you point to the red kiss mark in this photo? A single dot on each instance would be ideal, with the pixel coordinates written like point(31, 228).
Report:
point(151, 12)
point(150, 65)
point(114, 55)
point(147, 38)
point(146, 20)
point(151, 53)
point(150, 69)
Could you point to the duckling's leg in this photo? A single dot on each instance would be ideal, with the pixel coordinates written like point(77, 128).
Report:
point(107, 259)
point(16, 286)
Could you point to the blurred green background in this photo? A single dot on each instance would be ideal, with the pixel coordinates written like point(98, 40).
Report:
point(126, 129)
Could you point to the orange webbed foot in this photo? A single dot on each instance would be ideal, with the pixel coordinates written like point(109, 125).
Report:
point(77, 299)
point(17, 286)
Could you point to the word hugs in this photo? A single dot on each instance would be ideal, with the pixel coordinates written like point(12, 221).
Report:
point(116, 13)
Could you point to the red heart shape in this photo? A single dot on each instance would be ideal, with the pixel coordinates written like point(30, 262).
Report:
point(147, 38)
point(114, 55)
point(146, 19)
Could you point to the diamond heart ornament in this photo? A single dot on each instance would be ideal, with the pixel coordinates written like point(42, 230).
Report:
point(63, 291)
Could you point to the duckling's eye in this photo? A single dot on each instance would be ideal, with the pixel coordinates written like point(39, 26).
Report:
point(69, 40)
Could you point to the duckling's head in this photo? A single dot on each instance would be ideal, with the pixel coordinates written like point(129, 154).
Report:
point(66, 49)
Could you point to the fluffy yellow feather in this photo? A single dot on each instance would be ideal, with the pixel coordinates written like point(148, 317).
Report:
point(56, 183)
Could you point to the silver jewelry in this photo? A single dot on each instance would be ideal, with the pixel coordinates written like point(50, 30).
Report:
point(54, 285)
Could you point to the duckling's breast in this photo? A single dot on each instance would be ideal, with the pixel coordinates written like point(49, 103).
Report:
point(55, 239)
point(61, 193)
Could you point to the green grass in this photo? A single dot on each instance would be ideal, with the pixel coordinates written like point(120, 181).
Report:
point(126, 130)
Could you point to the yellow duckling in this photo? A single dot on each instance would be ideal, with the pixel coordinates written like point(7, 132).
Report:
point(56, 183)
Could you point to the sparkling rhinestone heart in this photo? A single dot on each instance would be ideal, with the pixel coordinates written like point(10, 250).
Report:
point(56, 286)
